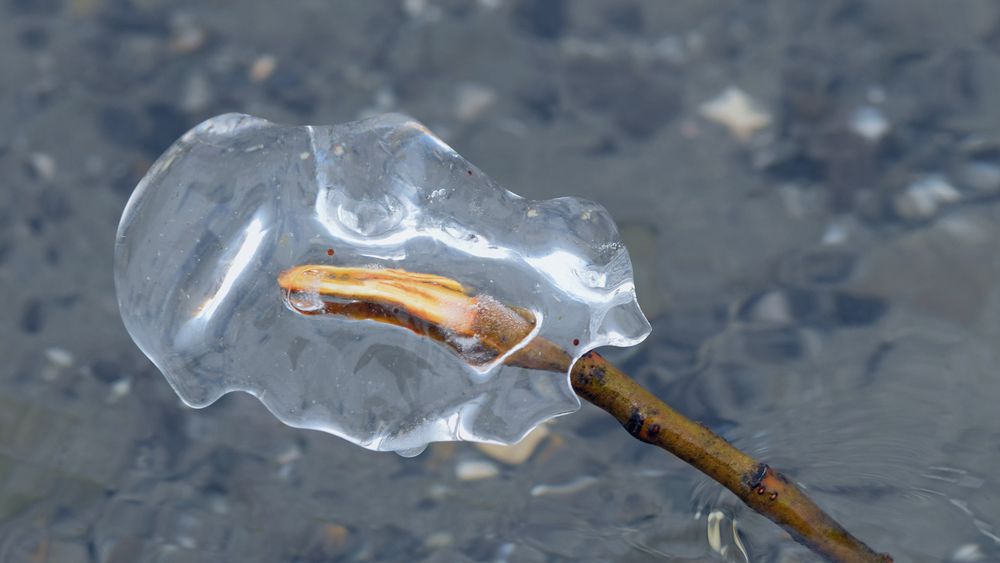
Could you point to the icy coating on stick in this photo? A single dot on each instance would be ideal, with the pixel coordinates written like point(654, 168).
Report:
point(239, 201)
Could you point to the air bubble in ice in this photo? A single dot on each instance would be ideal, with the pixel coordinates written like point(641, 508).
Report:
point(213, 224)
point(305, 301)
point(367, 216)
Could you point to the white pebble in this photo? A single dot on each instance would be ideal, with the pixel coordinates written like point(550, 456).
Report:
point(415, 8)
point(263, 68)
point(868, 122)
point(737, 112)
point(119, 389)
point(186, 36)
point(476, 470)
point(574, 486)
point(59, 357)
point(290, 455)
point(714, 536)
point(518, 453)
point(472, 100)
point(968, 552)
point(773, 307)
point(835, 233)
point(42, 165)
point(923, 198)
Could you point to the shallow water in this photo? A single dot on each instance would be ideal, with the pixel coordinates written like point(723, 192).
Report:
point(822, 275)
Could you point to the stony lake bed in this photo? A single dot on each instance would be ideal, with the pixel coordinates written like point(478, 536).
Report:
point(810, 193)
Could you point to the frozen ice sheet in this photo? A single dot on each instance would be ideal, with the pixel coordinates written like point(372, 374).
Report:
point(238, 200)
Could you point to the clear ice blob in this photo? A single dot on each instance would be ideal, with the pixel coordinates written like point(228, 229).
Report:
point(238, 201)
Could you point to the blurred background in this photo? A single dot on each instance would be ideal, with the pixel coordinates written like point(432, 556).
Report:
point(810, 192)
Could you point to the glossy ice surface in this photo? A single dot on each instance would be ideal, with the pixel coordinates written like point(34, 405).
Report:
point(238, 200)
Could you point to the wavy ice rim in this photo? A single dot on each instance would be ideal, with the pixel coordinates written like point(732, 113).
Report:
point(238, 200)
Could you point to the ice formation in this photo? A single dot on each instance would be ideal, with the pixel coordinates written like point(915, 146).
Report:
point(238, 200)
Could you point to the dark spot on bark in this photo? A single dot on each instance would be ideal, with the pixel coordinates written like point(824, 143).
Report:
point(653, 431)
point(634, 423)
point(590, 375)
point(753, 478)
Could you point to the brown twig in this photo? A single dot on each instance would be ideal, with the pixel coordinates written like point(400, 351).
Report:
point(439, 307)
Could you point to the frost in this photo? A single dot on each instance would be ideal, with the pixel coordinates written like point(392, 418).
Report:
point(239, 200)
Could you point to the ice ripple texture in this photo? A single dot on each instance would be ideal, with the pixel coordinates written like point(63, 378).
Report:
point(238, 199)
